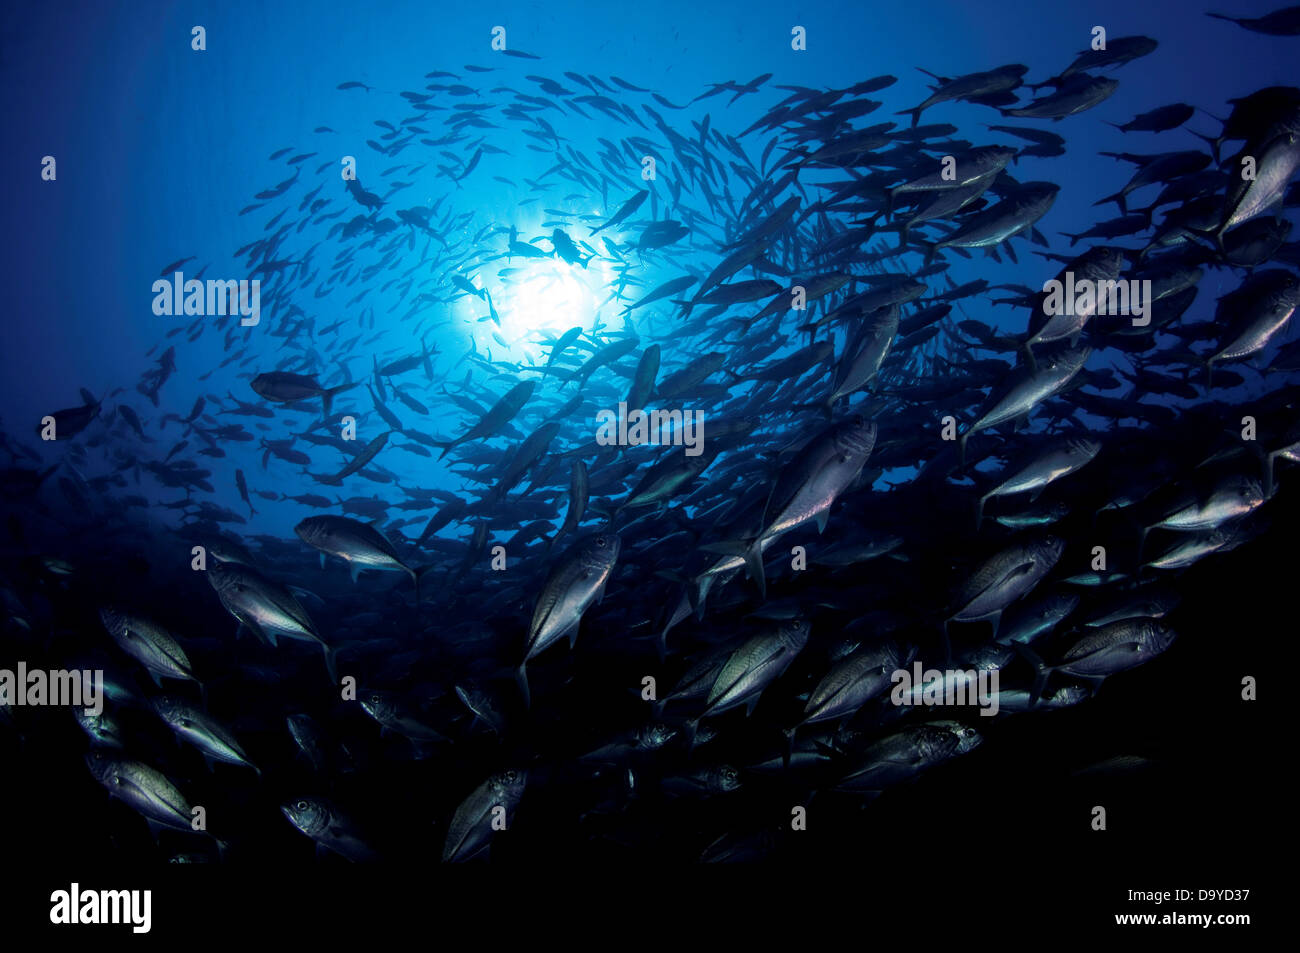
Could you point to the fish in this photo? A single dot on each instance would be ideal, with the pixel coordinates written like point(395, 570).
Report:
point(332, 830)
point(626, 210)
point(1028, 390)
point(265, 607)
point(500, 414)
point(359, 545)
point(575, 582)
point(761, 660)
point(471, 827)
point(361, 460)
point(201, 730)
point(143, 788)
point(1283, 22)
point(808, 486)
point(1004, 578)
point(148, 643)
point(1043, 470)
point(284, 388)
point(985, 86)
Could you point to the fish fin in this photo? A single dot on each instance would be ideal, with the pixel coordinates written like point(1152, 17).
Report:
point(521, 677)
point(354, 570)
point(914, 113)
point(788, 753)
point(327, 398)
point(1041, 671)
point(754, 564)
point(1142, 543)
point(330, 665)
point(697, 593)
point(822, 519)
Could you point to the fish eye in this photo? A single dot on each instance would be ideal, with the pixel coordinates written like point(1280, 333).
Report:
point(600, 540)
point(374, 699)
point(302, 805)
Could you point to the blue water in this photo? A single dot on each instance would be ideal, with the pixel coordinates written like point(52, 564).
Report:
point(159, 146)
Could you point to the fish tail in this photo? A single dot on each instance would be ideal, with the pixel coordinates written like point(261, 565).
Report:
point(1142, 544)
point(697, 594)
point(1268, 474)
point(1213, 143)
point(914, 113)
point(330, 665)
point(788, 754)
point(754, 565)
point(1041, 671)
point(328, 397)
point(521, 678)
